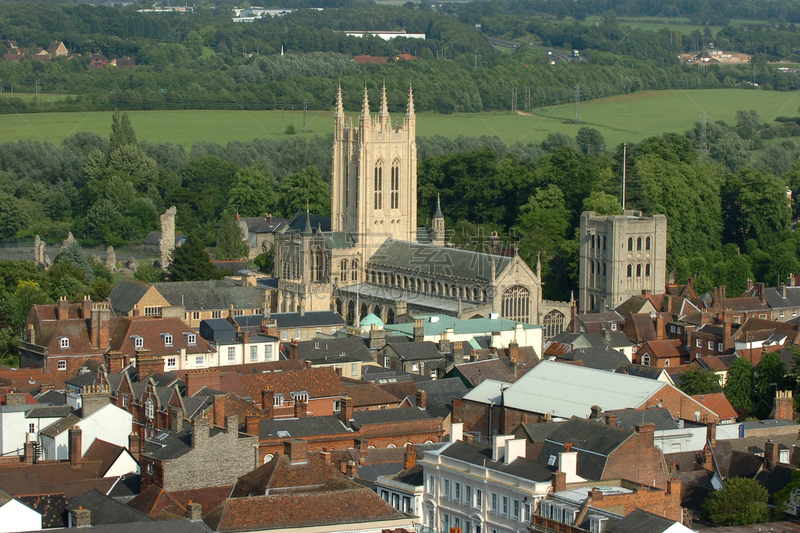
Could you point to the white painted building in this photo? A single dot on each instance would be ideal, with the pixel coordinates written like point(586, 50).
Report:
point(386, 35)
point(16, 516)
point(20, 422)
point(482, 490)
point(109, 423)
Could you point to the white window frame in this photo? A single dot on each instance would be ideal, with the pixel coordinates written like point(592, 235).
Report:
point(199, 360)
point(711, 345)
point(64, 342)
point(446, 488)
point(231, 354)
point(698, 343)
point(62, 364)
point(253, 353)
point(167, 339)
point(494, 502)
point(284, 335)
point(149, 409)
point(719, 347)
point(457, 491)
point(430, 486)
point(191, 338)
point(172, 362)
point(478, 499)
point(31, 427)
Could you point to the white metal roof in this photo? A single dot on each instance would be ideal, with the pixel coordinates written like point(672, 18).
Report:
point(568, 390)
point(487, 392)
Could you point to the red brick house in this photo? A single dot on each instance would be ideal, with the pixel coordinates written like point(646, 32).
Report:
point(320, 389)
point(663, 353)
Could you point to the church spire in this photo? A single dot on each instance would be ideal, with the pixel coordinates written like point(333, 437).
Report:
point(384, 105)
point(438, 207)
point(339, 105)
point(365, 105)
point(410, 107)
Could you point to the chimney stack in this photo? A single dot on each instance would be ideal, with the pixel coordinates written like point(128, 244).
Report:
point(770, 454)
point(267, 398)
point(346, 411)
point(611, 419)
point(194, 511)
point(296, 450)
point(419, 330)
point(81, 517)
point(253, 425)
point(63, 308)
point(86, 307)
point(559, 481)
point(783, 406)
point(29, 450)
point(422, 399)
point(660, 327)
point(300, 409)
point(135, 445)
point(410, 457)
point(711, 433)
point(75, 446)
point(648, 433)
point(175, 418)
point(200, 431)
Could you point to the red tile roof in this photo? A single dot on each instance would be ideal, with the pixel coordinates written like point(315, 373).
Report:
point(368, 394)
point(152, 331)
point(719, 404)
point(317, 382)
point(370, 59)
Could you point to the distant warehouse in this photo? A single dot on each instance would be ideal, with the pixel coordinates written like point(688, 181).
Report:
point(386, 35)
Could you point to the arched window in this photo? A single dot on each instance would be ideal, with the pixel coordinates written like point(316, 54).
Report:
point(630, 271)
point(647, 243)
point(647, 270)
point(395, 201)
point(268, 458)
point(516, 304)
point(630, 244)
point(639, 243)
point(604, 242)
point(604, 268)
point(594, 237)
point(344, 265)
point(591, 264)
point(149, 409)
point(553, 323)
point(592, 301)
point(646, 360)
point(379, 185)
point(639, 270)
point(354, 272)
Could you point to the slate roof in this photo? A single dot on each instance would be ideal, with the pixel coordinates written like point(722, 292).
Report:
point(593, 441)
point(284, 428)
point(775, 480)
point(127, 293)
point(158, 526)
point(298, 222)
point(208, 295)
point(476, 372)
point(345, 349)
point(601, 358)
point(307, 319)
point(262, 224)
point(417, 351)
point(52, 397)
point(628, 418)
point(49, 411)
point(638, 521)
point(642, 371)
point(442, 386)
point(106, 510)
point(389, 416)
point(481, 456)
point(438, 261)
point(59, 426)
point(366, 394)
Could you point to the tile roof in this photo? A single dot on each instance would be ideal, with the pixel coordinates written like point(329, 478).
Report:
point(301, 509)
point(345, 349)
point(105, 452)
point(602, 358)
point(321, 382)
point(157, 503)
point(389, 416)
point(368, 394)
point(719, 404)
point(638, 521)
point(152, 331)
point(54, 477)
point(642, 371)
point(208, 498)
point(307, 318)
point(283, 428)
point(50, 506)
point(127, 294)
point(667, 348)
point(417, 351)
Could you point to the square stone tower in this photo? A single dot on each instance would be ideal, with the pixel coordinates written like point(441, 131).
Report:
point(620, 256)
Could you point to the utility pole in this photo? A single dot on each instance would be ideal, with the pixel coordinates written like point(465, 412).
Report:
point(577, 104)
point(527, 98)
point(476, 58)
point(38, 85)
point(514, 100)
point(305, 120)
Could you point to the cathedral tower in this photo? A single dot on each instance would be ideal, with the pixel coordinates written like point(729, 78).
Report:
point(437, 225)
point(375, 175)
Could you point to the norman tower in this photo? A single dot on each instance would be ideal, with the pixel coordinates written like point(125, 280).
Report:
point(375, 175)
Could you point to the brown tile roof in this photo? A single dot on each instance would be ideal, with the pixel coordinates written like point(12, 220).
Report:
point(105, 452)
point(370, 59)
point(719, 404)
point(280, 473)
point(317, 382)
point(54, 477)
point(369, 394)
point(208, 497)
point(479, 371)
point(666, 348)
point(747, 303)
point(151, 330)
point(157, 503)
point(301, 509)
point(50, 506)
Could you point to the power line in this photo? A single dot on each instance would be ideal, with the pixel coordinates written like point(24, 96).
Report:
point(577, 104)
point(703, 137)
point(514, 100)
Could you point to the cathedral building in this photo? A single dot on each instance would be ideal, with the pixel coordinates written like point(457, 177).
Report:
point(370, 256)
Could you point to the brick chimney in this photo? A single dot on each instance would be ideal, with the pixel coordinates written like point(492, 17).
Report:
point(711, 433)
point(296, 450)
point(783, 406)
point(62, 309)
point(419, 330)
point(28, 450)
point(351, 470)
point(15, 398)
point(300, 409)
point(100, 325)
point(135, 445)
point(267, 398)
point(75, 445)
point(94, 398)
point(596, 410)
point(708, 458)
point(325, 455)
point(86, 307)
point(647, 432)
point(422, 399)
point(770, 454)
point(194, 511)
point(253, 425)
point(611, 419)
point(346, 411)
point(81, 517)
point(760, 291)
point(559, 481)
point(147, 365)
point(660, 327)
point(727, 339)
point(458, 409)
point(410, 457)
point(458, 352)
point(293, 349)
point(674, 487)
point(377, 337)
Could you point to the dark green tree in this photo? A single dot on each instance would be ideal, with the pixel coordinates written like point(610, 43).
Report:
point(305, 186)
point(770, 374)
point(73, 254)
point(590, 141)
point(122, 133)
point(191, 262)
point(149, 273)
point(739, 386)
point(254, 193)
point(741, 501)
point(696, 380)
point(602, 204)
point(231, 243)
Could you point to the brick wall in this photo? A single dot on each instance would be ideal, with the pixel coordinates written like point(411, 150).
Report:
point(666, 503)
point(680, 405)
point(639, 460)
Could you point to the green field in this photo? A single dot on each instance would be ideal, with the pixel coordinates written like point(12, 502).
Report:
point(679, 24)
point(626, 118)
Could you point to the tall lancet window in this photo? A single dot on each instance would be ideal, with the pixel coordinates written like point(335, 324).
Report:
point(396, 184)
point(379, 185)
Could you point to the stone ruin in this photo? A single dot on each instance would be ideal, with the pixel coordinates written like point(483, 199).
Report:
point(69, 240)
point(40, 258)
point(167, 243)
point(111, 259)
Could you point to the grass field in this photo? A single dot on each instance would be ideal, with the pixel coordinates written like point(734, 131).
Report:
point(679, 24)
point(626, 118)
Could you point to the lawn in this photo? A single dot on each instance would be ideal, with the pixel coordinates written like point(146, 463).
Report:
point(679, 24)
point(625, 118)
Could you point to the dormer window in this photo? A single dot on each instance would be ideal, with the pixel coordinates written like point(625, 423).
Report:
point(191, 338)
point(167, 339)
point(301, 396)
point(278, 400)
point(138, 341)
point(149, 409)
point(64, 342)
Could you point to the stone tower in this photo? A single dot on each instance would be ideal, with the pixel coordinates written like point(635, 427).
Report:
point(375, 175)
point(437, 225)
point(620, 256)
point(167, 243)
